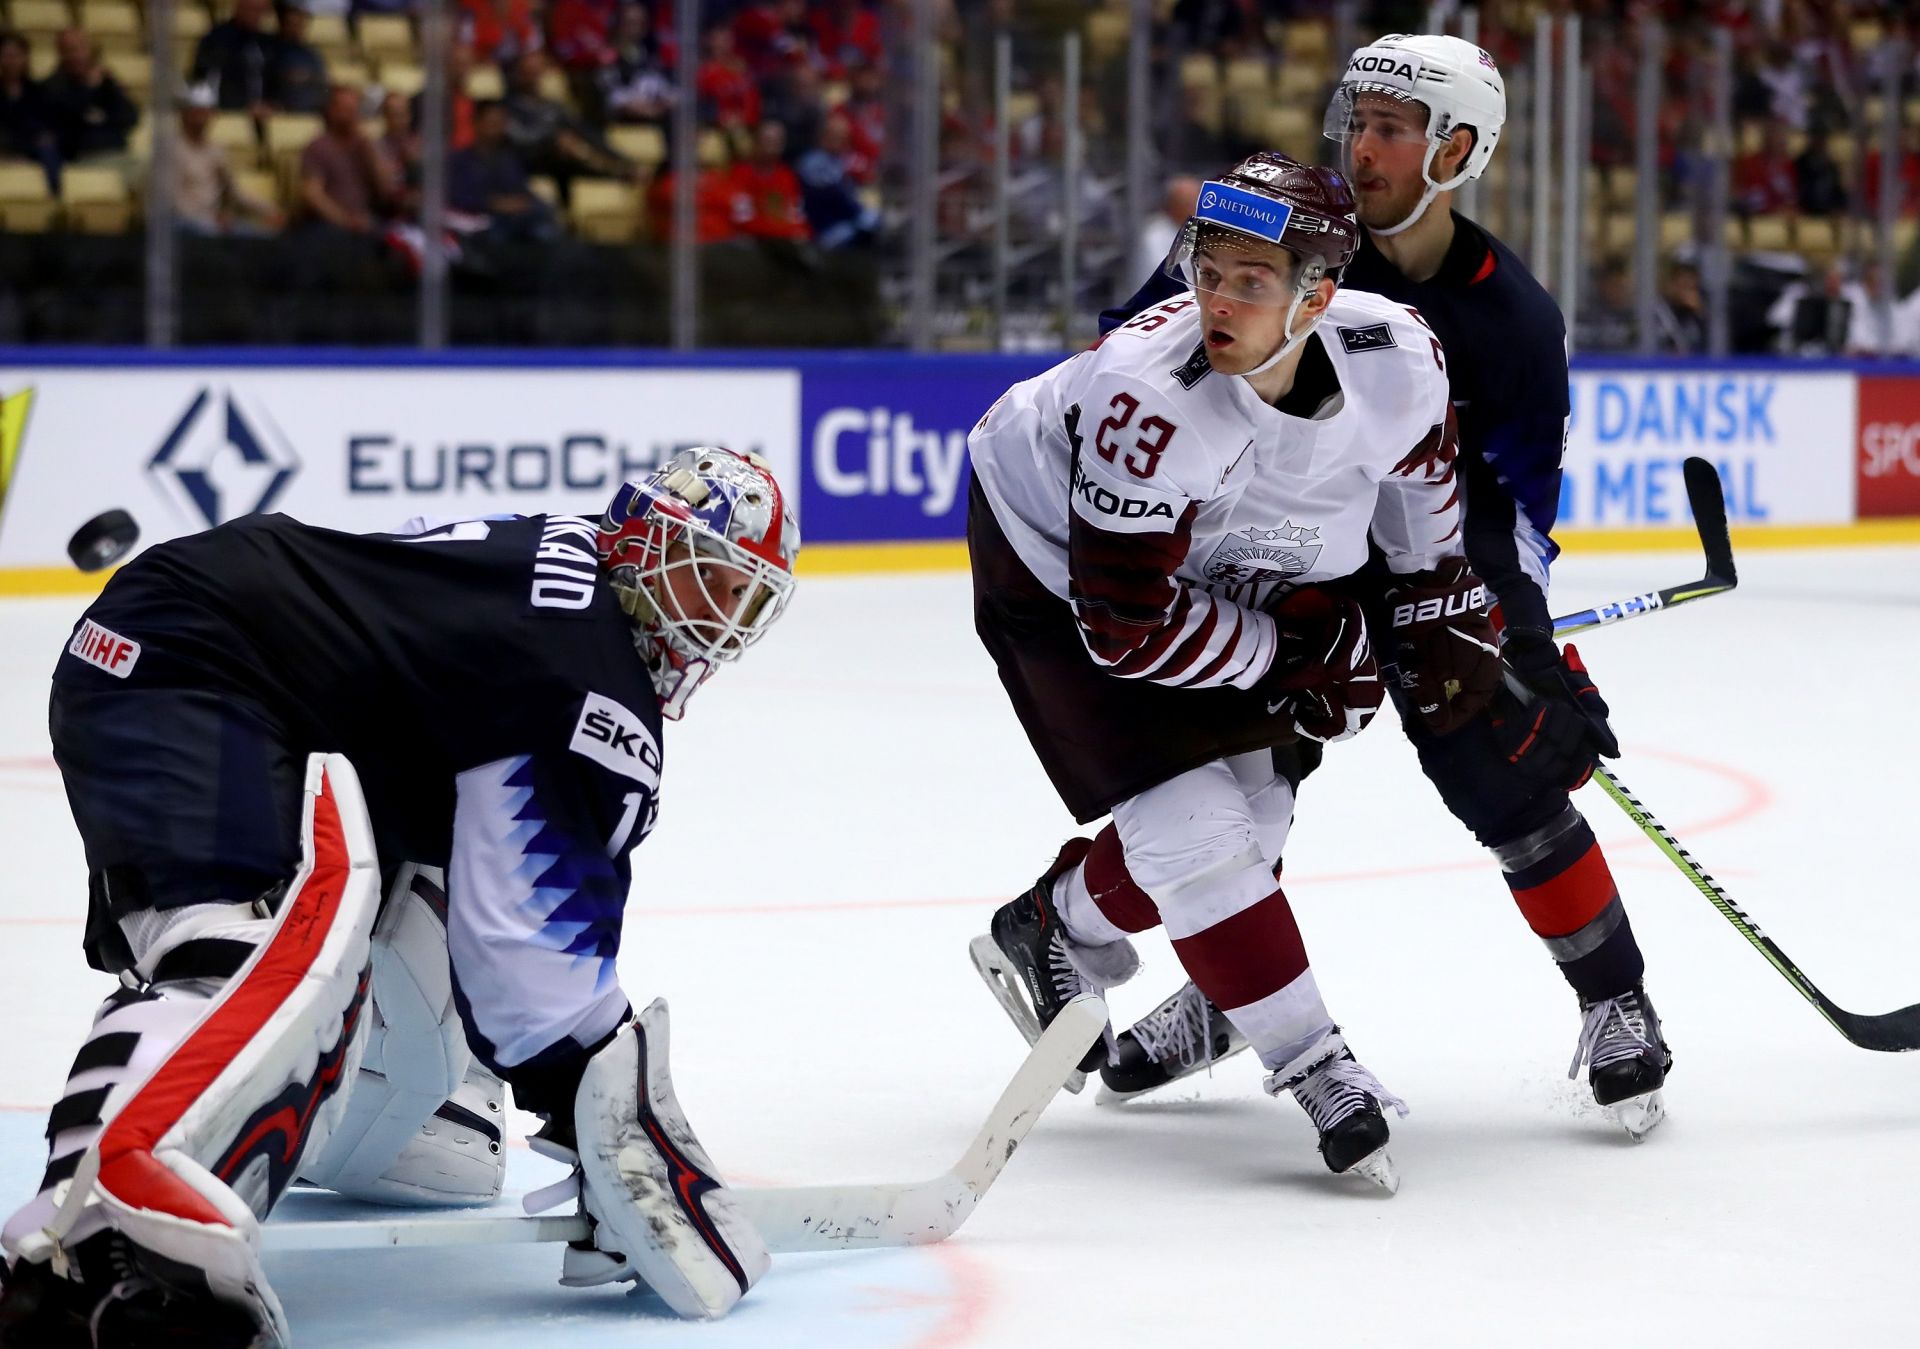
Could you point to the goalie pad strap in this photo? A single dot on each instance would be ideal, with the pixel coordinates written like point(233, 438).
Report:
point(203, 958)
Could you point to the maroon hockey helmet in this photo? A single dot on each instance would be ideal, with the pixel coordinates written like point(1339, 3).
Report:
point(1271, 198)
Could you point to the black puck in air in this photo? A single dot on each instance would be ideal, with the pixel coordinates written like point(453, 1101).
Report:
point(103, 540)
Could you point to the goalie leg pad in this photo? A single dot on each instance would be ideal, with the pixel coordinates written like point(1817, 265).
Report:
point(423, 1119)
point(193, 1157)
point(650, 1187)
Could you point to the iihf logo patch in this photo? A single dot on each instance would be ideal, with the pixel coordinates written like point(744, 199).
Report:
point(1376, 338)
point(105, 649)
point(1254, 554)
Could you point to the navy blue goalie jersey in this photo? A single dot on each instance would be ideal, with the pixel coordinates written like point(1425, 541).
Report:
point(483, 680)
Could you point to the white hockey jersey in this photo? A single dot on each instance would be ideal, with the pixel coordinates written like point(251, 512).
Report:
point(1171, 505)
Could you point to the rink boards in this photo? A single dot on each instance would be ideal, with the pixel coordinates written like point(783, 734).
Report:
point(875, 442)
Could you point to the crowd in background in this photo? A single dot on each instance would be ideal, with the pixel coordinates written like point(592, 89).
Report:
point(555, 102)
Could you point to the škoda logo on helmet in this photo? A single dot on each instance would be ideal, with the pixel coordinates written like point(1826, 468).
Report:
point(1382, 65)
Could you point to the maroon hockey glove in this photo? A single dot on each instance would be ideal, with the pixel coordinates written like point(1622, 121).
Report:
point(1442, 638)
point(1558, 733)
point(1324, 679)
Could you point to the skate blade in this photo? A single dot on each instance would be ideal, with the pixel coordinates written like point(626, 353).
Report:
point(1377, 1167)
point(1639, 1115)
point(1005, 987)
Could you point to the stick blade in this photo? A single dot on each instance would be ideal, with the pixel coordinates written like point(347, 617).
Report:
point(1888, 1033)
point(1708, 500)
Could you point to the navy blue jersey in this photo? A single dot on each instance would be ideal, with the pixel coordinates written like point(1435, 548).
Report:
point(1506, 352)
point(483, 680)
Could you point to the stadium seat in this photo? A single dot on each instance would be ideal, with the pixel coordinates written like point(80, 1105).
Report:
point(553, 85)
point(1249, 93)
point(1817, 237)
point(1308, 42)
point(385, 37)
point(328, 35)
point(1199, 69)
point(42, 59)
point(233, 134)
point(715, 152)
point(605, 211)
point(104, 19)
point(190, 24)
point(260, 184)
point(1301, 82)
point(95, 201)
point(134, 71)
point(26, 207)
point(1107, 32)
point(1294, 131)
point(1022, 105)
point(1905, 230)
point(835, 93)
point(1676, 230)
point(353, 74)
point(39, 20)
point(402, 77)
point(544, 188)
point(644, 145)
point(1770, 233)
point(486, 82)
point(288, 134)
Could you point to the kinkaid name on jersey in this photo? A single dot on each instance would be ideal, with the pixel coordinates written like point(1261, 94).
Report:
point(1141, 510)
point(565, 573)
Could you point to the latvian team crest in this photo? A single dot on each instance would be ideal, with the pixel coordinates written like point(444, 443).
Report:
point(1254, 555)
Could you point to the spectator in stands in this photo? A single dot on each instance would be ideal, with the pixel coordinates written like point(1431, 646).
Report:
point(1882, 323)
point(550, 139)
point(1765, 181)
point(1909, 173)
point(846, 33)
point(206, 197)
point(501, 30)
point(489, 179)
point(835, 212)
point(297, 81)
point(25, 129)
point(713, 204)
point(729, 97)
point(236, 58)
point(1680, 319)
point(866, 111)
point(1159, 230)
point(582, 32)
point(459, 101)
point(398, 146)
point(771, 35)
point(89, 112)
point(343, 184)
point(637, 86)
point(1822, 190)
point(795, 98)
point(767, 194)
point(1607, 319)
point(1225, 27)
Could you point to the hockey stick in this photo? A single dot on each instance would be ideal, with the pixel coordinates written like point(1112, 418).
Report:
point(1709, 505)
point(797, 1218)
point(1889, 1032)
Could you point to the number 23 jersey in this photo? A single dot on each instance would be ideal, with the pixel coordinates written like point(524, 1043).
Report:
point(1170, 505)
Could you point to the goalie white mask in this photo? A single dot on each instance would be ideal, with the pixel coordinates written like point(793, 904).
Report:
point(701, 554)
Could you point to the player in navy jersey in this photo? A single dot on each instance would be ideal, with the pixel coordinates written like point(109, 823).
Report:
point(1418, 117)
point(256, 727)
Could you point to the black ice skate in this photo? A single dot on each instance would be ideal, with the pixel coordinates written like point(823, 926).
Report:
point(123, 1297)
point(1182, 1036)
point(1346, 1104)
point(1034, 969)
point(1629, 1060)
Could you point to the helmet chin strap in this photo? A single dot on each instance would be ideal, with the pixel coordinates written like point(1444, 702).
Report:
point(1434, 188)
point(1295, 339)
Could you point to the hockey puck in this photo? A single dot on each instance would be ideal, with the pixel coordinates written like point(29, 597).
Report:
point(103, 540)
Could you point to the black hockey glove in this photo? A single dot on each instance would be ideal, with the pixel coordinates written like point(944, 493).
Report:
point(1324, 680)
point(1442, 641)
point(1558, 733)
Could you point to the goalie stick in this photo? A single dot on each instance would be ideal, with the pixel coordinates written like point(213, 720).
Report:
point(1709, 505)
point(797, 1218)
point(1889, 1032)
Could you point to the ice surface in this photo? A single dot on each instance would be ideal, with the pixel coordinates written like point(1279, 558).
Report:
point(844, 809)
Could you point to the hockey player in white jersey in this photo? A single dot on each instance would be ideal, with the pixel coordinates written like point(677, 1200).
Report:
point(1152, 527)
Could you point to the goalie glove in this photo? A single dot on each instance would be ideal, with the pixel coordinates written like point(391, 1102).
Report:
point(1444, 644)
point(1558, 733)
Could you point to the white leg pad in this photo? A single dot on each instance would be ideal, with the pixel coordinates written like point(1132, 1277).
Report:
point(651, 1188)
point(423, 1122)
point(197, 1154)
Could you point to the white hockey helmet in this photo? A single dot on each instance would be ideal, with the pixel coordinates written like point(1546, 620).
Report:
point(709, 530)
point(1455, 81)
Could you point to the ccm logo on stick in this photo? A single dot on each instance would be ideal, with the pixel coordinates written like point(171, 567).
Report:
point(108, 650)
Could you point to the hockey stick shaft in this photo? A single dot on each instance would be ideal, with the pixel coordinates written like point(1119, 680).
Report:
point(1709, 504)
point(1891, 1032)
point(795, 1218)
